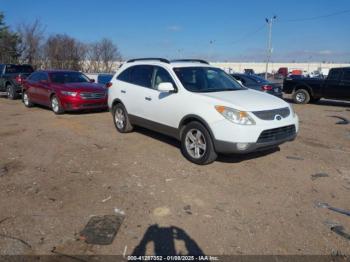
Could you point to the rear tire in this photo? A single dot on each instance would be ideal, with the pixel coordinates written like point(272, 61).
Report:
point(197, 145)
point(121, 119)
point(301, 96)
point(26, 99)
point(11, 93)
point(56, 105)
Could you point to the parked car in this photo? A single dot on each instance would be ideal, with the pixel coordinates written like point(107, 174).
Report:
point(305, 90)
point(259, 83)
point(104, 78)
point(249, 71)
point(63, 91)
point(200, 105)
point(11, 78)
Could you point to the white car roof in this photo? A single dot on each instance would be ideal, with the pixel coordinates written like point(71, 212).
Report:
point(170, 65)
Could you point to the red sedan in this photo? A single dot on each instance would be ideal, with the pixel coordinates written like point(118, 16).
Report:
point(63, 91)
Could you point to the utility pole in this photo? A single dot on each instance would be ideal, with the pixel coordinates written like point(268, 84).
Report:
point(269, 43)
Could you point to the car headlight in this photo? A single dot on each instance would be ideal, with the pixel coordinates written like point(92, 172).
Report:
point(69, 93)
point(235, 116)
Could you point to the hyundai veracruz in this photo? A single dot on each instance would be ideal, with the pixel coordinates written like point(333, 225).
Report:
point(200, 105)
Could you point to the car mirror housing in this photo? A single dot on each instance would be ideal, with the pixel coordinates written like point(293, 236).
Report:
point(166, 87)
point(92, 80)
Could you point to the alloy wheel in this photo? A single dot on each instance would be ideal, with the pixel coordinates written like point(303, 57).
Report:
point(196, 145)
point(119, 118)
point(54, 104)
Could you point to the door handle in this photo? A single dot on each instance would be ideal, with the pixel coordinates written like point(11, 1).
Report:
point(123, 91)
point(148, 98)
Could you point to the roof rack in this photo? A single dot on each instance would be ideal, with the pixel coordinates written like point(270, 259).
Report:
point(190, 60)
point(147, 59)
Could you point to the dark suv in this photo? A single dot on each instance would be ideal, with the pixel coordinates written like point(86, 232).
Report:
point(11, 78)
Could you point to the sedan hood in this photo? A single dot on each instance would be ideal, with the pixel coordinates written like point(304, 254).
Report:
point(246, 100)
point(83, 87)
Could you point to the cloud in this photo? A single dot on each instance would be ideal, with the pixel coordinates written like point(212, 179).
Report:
point(174, 28)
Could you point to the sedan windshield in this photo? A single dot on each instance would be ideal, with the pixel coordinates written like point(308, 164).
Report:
point(68, 77)
point(206, 79)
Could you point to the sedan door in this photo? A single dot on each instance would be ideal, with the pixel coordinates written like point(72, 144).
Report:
point(43, 90)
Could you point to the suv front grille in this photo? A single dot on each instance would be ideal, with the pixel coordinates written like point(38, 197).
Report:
point(276, 134)
point(271, 114)
point(92, 95)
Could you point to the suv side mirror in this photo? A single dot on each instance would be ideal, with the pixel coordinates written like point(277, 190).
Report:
point(92, 80)
point(166, 87)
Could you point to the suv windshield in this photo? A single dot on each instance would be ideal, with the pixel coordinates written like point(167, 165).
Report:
point(15, 69)
point(68, 77)
point(206, 79)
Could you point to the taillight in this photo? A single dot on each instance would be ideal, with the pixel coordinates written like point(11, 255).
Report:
point(19, 79)
point(109, 84)
point(266, 88)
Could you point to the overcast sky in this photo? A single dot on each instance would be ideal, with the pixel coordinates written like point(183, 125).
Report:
point(221, 30)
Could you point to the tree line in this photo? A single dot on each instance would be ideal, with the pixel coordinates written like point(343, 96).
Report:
point(29, 44)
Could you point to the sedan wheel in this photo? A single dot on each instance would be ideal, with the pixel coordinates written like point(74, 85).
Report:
point(26, 100)
point(56, 106)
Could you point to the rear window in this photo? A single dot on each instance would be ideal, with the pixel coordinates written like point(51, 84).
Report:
point(334, 74)
point(14, 69)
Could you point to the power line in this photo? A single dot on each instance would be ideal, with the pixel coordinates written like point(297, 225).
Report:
point(315, 17)
point(249, 34)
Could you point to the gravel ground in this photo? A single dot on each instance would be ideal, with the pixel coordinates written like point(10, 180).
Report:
point(58, 171)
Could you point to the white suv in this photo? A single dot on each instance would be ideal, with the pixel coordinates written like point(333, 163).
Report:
point(200, 105)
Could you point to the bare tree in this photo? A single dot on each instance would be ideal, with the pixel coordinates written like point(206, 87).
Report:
point(102, 56)
point(64, 52)
point(32, 36)
point(109, 54)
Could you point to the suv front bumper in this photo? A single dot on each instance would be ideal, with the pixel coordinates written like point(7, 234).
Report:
point(245, 148)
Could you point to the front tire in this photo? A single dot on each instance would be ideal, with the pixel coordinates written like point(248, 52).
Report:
point(26, 100)
point(56, 105)
point(121, 119)
point(301, 96)
point(197, 145)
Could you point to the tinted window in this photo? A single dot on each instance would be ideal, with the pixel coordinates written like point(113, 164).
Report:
point(42, 76)
point(104, 78)
point(206, 79)
point(1, 69)
point(13, 69)
point(334, 74)
point(142, 75)
point(34, 77)
point(68, 77)
point(125, 75)
point(346, 76)
point(162, 76)
point(248, 80)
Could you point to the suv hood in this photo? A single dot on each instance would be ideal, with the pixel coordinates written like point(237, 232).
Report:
point(246, 100)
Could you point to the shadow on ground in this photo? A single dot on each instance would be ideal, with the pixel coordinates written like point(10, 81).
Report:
point(229, 158)
point(167, 242)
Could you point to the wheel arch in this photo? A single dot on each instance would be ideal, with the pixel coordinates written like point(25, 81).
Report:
point(306, 87)
point(191, 118)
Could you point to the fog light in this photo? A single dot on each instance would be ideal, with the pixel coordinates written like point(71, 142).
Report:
point(242, 146)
